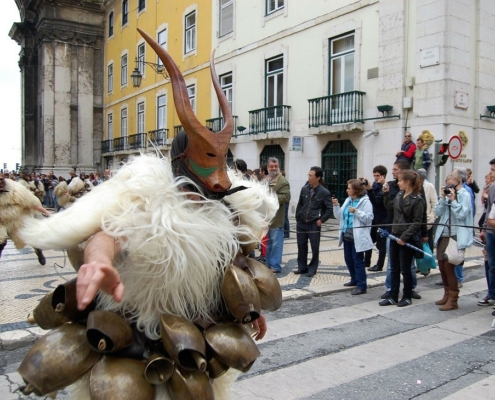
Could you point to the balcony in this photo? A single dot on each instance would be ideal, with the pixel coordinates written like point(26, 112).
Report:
point(269, 119)
point(120, 144)
point(177, 129)
point(106, 146)
point(158, 137)
point(137, 141)
point(216, 124)
point(342, 108)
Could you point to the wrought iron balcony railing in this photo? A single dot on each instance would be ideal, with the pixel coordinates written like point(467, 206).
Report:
point(137, 141)
point(216, 124)
point(336, 109)
point(269, 119)
point(159, 136)
point(120, 143)
point(177, 129)
point(106, 146)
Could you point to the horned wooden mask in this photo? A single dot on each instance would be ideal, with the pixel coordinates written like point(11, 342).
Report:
point(206, 152)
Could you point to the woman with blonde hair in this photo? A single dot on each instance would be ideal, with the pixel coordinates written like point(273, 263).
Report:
point(355, 217)
point(456, 220)
point(408, 207)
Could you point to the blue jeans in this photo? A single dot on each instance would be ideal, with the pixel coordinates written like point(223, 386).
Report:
point(388, 283)
point(459, 272)
point(274, 248)
point(490, 251)
point(355, 264)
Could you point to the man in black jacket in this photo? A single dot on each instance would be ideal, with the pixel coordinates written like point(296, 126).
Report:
point(313, 209)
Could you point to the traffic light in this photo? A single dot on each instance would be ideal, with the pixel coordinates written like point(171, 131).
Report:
point(4, 165)
point(441, 154)
point(17, 166)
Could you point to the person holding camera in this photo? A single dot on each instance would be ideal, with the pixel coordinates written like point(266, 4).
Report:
point(456, 220)
point(355, 216)
point(408, 207)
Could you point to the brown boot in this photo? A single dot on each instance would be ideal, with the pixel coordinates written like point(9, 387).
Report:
point(451, 302)
point(443, 301)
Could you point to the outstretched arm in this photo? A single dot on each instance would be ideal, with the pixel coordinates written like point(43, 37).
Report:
point(42, 210)
point(98, 273)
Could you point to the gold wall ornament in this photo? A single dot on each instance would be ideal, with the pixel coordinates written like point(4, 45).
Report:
point(427, 137)
point(464, 139)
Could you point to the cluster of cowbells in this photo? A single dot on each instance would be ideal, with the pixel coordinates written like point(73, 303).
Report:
point(123, 363)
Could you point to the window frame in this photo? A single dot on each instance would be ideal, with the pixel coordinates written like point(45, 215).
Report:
point(125, 12)
point(110, 77)
point(124, 69)
point(141, 117)
point(163, 44)
point(159, 109)
point(192, 96)
point(141, 58)
point(141, 5)
point(110, 126)
point(222, 8)
point(123, 122)
point(190, 32)
point(276, 8)
point(274, 73)
point(340, 55)
point(228, 89)
point(111, 24)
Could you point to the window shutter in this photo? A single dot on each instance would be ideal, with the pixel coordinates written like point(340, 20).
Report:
point(226, 17)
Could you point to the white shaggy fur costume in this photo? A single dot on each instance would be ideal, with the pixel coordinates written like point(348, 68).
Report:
point(16, 211)
point(174, 250)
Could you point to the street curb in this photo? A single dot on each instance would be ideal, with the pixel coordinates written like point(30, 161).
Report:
point(16, 339)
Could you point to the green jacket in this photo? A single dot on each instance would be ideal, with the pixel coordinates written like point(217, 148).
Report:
point(280, 186)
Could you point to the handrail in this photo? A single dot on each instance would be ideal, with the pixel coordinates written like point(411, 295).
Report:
point(336, 109)
point(269, 119)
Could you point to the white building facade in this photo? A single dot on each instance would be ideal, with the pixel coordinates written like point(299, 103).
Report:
point(306, 79)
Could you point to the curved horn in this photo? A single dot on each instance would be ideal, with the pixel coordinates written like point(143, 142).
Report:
point(228, 127)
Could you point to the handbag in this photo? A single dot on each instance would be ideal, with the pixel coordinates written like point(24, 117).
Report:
point(452, 253)
point(424, 265)
point(349, 235)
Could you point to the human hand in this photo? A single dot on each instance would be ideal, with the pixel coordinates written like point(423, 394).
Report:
point(319, 223)
point(452, 195)
point(483, 236)
point(352, 210)
point(425, 239)
point(260, 326)
point(368, 186)
point(97, 276)
point(398, 153)
point(401, 242)
point(385, 187)
point(335, 202)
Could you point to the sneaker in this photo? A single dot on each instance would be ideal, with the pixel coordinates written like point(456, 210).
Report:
point(375, 268)
point(486, 301)
point(385, 295)
point(387, 302)
point(404, 302)
point(459, 285)
point(415, 295)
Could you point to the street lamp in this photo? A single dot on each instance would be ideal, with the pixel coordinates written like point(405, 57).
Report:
point(137, 76)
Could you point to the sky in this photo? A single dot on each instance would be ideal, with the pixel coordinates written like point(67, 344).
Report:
point(10, 89)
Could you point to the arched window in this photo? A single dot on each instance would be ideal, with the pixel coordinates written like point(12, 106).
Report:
point(339, 164)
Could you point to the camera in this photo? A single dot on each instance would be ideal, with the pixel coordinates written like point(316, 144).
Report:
point(447, 188)
point(364, 182)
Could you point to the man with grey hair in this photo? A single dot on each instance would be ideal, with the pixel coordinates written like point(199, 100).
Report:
point(431, 198)
point(280, 186)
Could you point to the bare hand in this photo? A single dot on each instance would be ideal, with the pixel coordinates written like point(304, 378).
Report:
point(398, 153)
point(483, 236)
point(352, 210)
point(319, 223)
point(97, 276)
point(402, 243)
point(335, 202)
point(425, 239)
point(385, 187)
point(260, 326)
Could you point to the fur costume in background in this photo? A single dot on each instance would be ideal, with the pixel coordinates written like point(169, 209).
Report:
point(16, 211)
point(175, 251)
point(67, 194)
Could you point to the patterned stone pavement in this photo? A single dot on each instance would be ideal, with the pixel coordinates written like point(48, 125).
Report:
point(23, 281)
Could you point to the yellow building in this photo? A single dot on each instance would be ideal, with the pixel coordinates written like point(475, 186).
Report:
point(136, 117)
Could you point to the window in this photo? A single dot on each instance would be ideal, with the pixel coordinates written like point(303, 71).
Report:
point(226, 84)
point(226, 16)
point(274, 5)
point(125, 12)
point(141, 5)
point(190, 33)
point(110, 24)
point(191, 91)
point(110, 78)
point(140, 119)
point(110, 126)
point(342, 64)
point(140, 57)
point(123, 122)
point(162, 41)
point(161, 112)
point(123, 70)
point(275, 85)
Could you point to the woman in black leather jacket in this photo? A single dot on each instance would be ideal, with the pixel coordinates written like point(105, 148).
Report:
point(408, 207)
